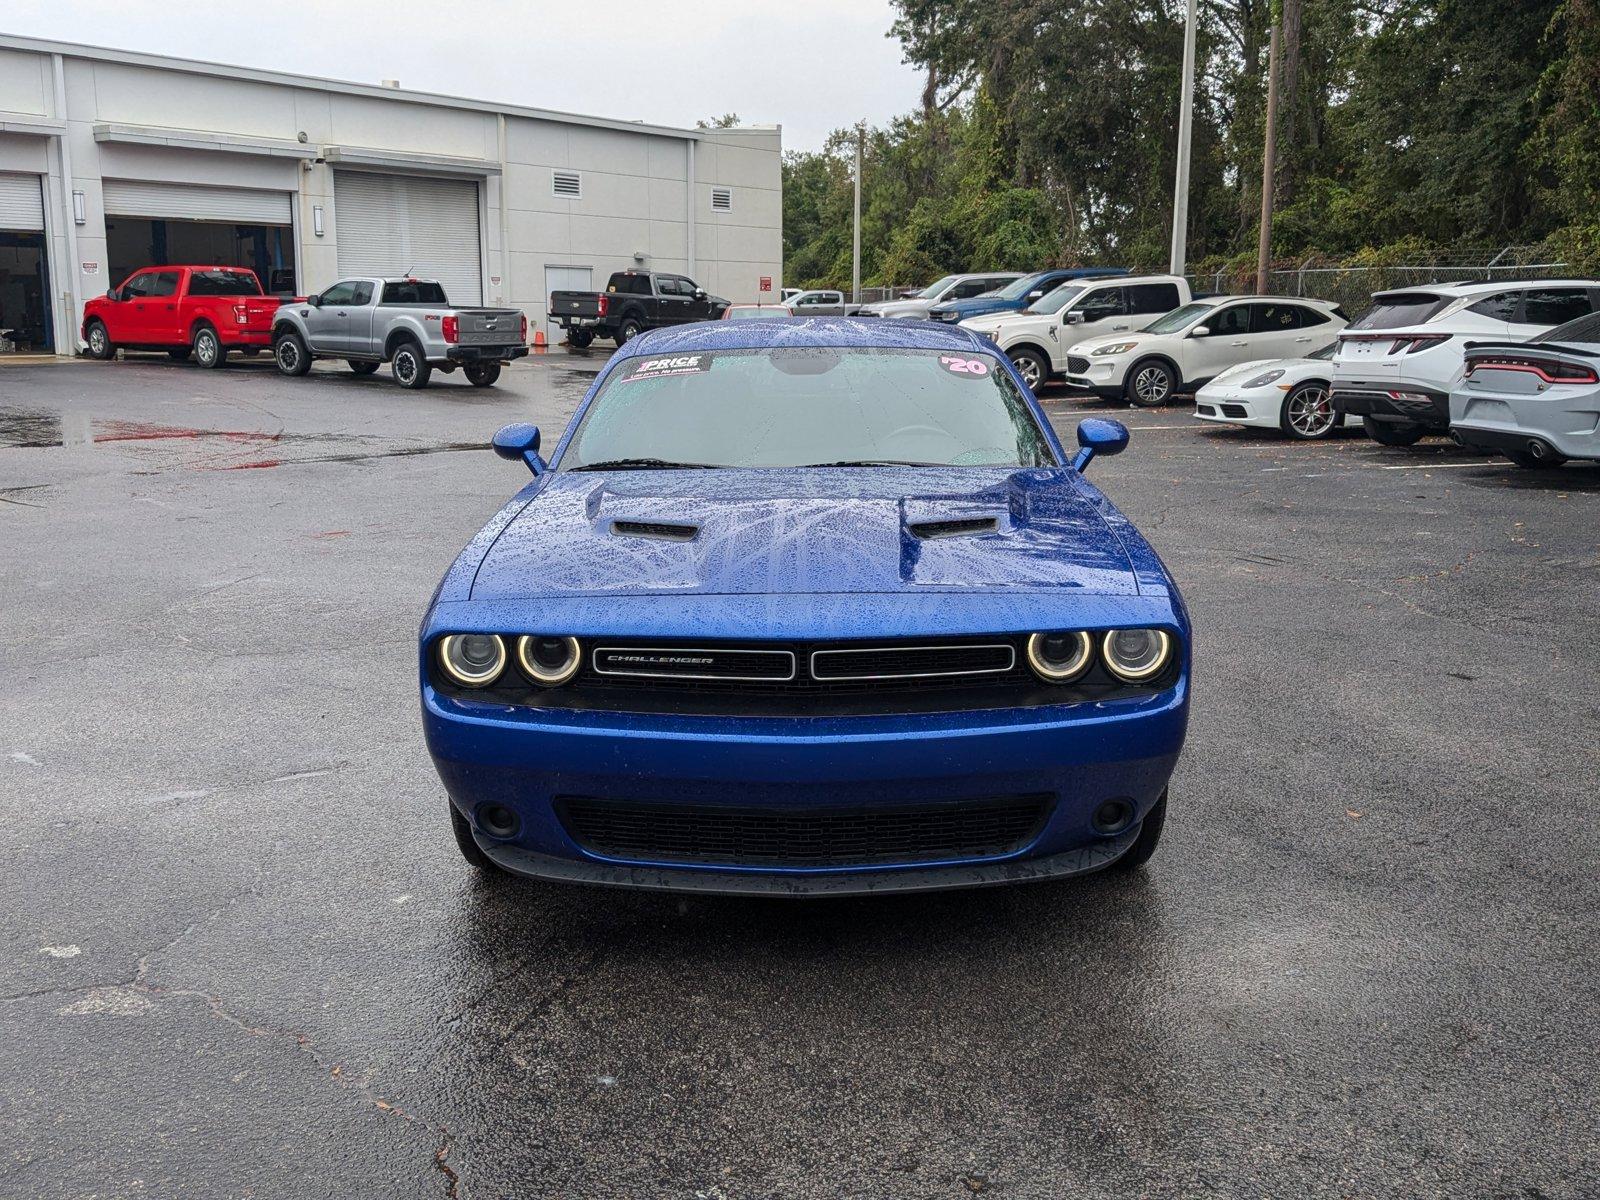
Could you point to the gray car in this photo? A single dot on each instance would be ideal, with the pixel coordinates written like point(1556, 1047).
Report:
point(408, 323)
point(821, 303)
point(951, 287)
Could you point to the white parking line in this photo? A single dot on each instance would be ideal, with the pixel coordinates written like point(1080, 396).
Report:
point(1437, 466)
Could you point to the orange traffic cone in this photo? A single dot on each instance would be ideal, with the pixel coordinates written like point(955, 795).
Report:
point(539, 346)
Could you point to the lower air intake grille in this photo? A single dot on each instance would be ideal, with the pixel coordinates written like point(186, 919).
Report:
point(717, 835)
point(1077, 366)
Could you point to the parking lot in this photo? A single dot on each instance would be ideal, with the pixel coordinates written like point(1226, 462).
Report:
point(243, 956)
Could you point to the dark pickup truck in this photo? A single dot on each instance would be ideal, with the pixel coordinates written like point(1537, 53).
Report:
point(633, 302)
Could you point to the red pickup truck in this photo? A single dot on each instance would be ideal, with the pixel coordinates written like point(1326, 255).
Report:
point(204, 311)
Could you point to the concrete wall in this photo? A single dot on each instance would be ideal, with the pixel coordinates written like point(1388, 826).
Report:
point(637, 197)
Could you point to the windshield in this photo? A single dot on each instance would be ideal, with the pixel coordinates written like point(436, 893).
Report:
point(1178, 318)
point(810, 406)
point(933, 289)
point(1018, 288)
point(1397, 310)
point(1054, 302)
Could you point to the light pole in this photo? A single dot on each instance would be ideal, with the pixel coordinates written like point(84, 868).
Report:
point(1180, 191)
point(855, 239)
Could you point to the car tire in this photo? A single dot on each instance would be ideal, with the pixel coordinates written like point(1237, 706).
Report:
point(363, 366)
point(179, 355)
point(409, 367)
point(290, 353)
point(209, 352)
point(1031, 365)
point(470, 850)
point(580, 338)
point(1308, 414)
point(482, 374)
point(1529, 462)
point(1151, 383)
point(1387, 433)
point(1149, 838)
point(98, 341)
point(628, 330)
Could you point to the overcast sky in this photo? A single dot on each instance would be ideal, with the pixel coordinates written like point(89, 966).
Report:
point(810, 65)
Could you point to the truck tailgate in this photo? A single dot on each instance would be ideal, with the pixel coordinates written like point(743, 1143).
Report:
point(488, 326)
point(576, 304)
point(254, 313)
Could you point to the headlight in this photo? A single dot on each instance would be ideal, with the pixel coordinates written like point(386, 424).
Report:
point(473, 659)
point(548, 661)
point(1262, 380)
point(1114, 348)
point(1060, 657)
point(1134, 655)
point(948, 316)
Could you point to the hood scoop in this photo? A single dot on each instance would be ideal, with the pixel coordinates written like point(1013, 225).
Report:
point(661, 531)
point(959, 527)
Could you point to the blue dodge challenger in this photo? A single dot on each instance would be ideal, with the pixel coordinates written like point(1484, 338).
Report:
point(806, 607)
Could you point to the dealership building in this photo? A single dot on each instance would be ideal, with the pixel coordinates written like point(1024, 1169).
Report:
point(111, 160)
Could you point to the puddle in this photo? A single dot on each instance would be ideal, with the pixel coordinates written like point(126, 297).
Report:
point(35, 430)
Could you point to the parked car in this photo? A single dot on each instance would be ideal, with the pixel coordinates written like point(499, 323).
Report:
point(1286, 394)
point(822, 304)
point(1190, 346)
point(408, 323)
point(755, 312)
point(800, 608)
point(1016, 295)
point(1398, 361)
point(1535, 401)
point(788, 294)
point(1036, 339)
point(951, 287)
point(201, 311)
point(633, 302)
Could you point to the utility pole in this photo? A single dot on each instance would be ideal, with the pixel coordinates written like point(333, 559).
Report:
point(1180, 193)
point(855, 241)
point(1269, 162)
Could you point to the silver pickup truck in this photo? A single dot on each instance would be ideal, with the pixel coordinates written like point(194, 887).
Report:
point(405, 322)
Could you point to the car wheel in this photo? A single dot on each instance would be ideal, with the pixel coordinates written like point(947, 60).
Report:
point(208, 349)
point(99, 341)
point(411, 369)
point(1030, 364)
point(362, 366)
point(630, 329)
point(470, 850)
point(580, 338)
point(1149, 838)
point(1308, 414)
point(290, 353)
point(180, 355)
point(1150, 383)
point(1536, 462)
point(482, 374)
point(1387, 433)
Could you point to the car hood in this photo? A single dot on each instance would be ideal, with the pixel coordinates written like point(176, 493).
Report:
point(1255, 367)
point(977, 307)
point(810, 531)
point(1003, 322)
point(899, 308)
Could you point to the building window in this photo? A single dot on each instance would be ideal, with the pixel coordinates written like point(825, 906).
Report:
point(569, 185)
point(721, 199)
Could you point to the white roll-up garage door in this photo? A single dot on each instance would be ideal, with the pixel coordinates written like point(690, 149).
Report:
point(410, 225)
point(21, 202)
point(191, 202)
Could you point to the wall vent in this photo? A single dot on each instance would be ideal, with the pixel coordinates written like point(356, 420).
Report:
point(721, 199)
point(568, 185)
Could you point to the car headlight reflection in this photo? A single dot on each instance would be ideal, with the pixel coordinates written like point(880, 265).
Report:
point(1134, 655)
point(472, 659)
point(1060, 657)
point(1114, 348)
point(548, 661)
point(1263, 380)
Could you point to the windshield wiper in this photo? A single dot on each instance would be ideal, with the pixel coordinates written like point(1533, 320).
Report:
point(876, 462)
point(645, 464)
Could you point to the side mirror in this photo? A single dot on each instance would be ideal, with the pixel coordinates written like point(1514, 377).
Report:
point(315, 299)
point(1035, 294)
point(522, 441)
point(699, 293)
point(111, 294)
point(1097, 435)
point(1072, 318)
point(1200, 331)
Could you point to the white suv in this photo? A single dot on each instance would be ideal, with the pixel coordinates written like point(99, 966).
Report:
point(1397, 362)
point(1190, 346)
point(1037, 338)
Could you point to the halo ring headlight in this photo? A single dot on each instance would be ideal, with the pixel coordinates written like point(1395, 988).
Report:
point(472, 659)
point(1060, 657)
point(1135, 655)
point(548, 661)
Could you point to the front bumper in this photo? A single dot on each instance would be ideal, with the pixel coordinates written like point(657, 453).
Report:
point(1079, 755)
point(1239, 406)
point(1102, 376)
point(469, 354)
point(1402, 403)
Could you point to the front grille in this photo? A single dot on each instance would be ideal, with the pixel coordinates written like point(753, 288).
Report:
point(1077, 365)
point(715, 663)
point(1235, 410)
point(1206, 410)
point(718, 835)
point(911, 662)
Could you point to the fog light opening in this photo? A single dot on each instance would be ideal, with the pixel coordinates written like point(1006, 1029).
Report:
point(497, 821)
point(1113, 817)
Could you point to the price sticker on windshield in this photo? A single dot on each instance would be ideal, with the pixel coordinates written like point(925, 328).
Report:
point(664, 368)
point(963, 366)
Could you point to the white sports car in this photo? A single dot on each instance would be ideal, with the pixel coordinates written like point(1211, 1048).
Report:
point(1287, 394)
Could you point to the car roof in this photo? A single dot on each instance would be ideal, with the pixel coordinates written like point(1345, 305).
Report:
point(989, 275)
point(1477, 287)
point(1265, 299)
point(793, 332)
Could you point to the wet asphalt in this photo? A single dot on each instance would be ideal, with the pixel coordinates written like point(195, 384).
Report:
point(242, 958)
